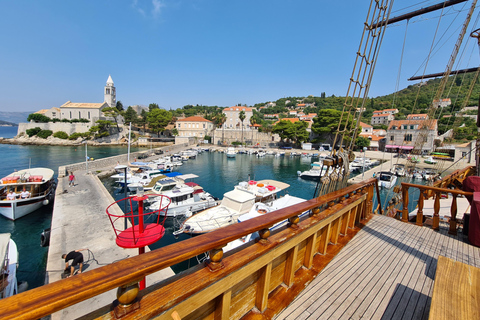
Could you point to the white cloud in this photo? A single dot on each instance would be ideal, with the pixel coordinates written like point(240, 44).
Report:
point(136, 7)
point(157, 7)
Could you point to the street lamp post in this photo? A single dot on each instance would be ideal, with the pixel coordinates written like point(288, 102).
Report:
point(86, 156)
point(364, 152)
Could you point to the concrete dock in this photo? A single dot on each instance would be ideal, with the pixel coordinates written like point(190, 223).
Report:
point(79, 221)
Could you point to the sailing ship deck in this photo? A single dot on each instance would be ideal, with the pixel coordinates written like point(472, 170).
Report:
point(386, 271)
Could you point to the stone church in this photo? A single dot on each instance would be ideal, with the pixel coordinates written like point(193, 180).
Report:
point(82, 110)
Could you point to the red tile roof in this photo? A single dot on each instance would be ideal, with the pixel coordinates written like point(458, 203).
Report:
point(194, 119)
point(240, 108)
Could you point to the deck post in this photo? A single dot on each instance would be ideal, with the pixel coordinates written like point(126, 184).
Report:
point(405, 203)
point(126, 299)
point(436, 211)
point(222, 309)
point(290, 264)
point(263, 287)
point(310, 251)
point(453, 215)
point(420, 209)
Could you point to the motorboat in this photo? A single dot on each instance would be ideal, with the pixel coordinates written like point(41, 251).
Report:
point(39, 182)
point(186, 198)
point(429, 174)
point(9, 255)
point(234, 203)
point(430, 160)
point(399, 170)
point(260, 209)
point(231, 153)
point(315, 173)
point(386, 179)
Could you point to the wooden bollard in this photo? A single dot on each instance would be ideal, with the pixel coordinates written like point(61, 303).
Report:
point(126, 299)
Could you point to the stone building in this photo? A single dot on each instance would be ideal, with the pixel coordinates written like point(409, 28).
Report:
point(233, 119)
point(194, 127)
point(402, 134)
point(382, 118)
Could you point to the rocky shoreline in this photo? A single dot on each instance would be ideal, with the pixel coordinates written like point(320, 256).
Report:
point(51, 141)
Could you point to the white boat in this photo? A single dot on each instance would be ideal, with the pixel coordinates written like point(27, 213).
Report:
point(429, 174)
point(38, 181)
point(399, 170)
point(234, 203)
point(315, 173)
point(9, 255)
point(386, 179)
point(260, 209)
point(261, 153)
point(186, 198)
point(231, 153)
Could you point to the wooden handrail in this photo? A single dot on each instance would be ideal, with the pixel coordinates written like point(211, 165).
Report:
point(53, 297)
point(436, 206)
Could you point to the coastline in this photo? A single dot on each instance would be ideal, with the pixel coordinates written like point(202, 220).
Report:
point(51, 141)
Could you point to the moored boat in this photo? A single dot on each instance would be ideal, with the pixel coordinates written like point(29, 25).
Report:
point(9, 256)
point(234, 203)
point(386, 179)
point(39, 184)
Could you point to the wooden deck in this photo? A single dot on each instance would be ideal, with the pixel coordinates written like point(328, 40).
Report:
point(385, 272)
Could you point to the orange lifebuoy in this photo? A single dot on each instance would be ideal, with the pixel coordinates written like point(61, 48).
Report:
point(260, 185)
point(262, 211)
point(252, 182)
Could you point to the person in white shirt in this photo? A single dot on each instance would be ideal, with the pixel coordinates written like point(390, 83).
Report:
point(24, 194)
point(11, 195)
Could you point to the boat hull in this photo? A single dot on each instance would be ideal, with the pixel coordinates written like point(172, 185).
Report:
point(15, 209)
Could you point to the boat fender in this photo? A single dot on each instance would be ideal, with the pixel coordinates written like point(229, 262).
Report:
point(45, 238)
point(260, 185)
point(299, 173)
point(46, 202)
point(252, 182)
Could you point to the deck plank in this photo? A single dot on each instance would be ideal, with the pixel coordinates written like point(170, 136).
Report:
point(386, 271)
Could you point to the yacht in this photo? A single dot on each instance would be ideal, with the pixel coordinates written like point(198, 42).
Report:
point(231, 153)
point(386, 179)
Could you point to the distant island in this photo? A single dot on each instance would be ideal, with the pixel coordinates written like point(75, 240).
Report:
point(7, 124)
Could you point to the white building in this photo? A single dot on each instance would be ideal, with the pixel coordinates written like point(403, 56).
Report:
point(233, 119)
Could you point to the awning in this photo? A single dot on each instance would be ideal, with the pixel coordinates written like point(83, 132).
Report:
point(399, 147)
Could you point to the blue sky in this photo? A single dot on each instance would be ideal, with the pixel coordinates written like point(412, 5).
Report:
point(210, 52)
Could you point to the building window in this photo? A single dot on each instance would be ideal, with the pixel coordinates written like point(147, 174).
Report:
point(88, 114)
point(179, 125)
point(54, 114)
point(391, 138)
point(79, 115)
point(70, 114)
point(204, 126)
point(107, 91)
point(411, 127)
point(408, 137)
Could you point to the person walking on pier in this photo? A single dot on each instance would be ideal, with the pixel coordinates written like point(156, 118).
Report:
point(77, 258)
point(71, 179)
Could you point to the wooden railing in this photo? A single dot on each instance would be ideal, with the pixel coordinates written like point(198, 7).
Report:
point(455, 178)
point(437, 193)
point(256, 276)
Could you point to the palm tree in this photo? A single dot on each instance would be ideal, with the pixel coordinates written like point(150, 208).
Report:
point(242, 116)
point(220, 119)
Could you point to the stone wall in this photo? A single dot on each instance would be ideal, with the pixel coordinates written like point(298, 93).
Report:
point(250, 137)
point(69, 128)
point(111, 162)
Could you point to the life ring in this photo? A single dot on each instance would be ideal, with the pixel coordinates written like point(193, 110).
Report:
point(252, 182)
point(270, 188)
point(260, 185)
point(262, 211)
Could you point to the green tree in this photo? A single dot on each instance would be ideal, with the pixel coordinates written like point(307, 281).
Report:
point(152, 106)
point(242, 116)
point(362, 142)
point(175, 131)
point(327, 121)
point(142, 120)
point(33, 131)
point(113, 113)
point(158, 119)
point(130, 115)
point(119, 106)
point(100, 129)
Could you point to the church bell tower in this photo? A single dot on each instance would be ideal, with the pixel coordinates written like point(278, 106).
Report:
point(110, 96)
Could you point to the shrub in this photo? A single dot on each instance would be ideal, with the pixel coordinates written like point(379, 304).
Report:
point(44, 134)
point(38, 117)
point(65, 120)
point(76, 135)
point(33, 131)
point(75, 120)
point(60, 135)
point(56, 120)
point(236, 143)
point(84, 120)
